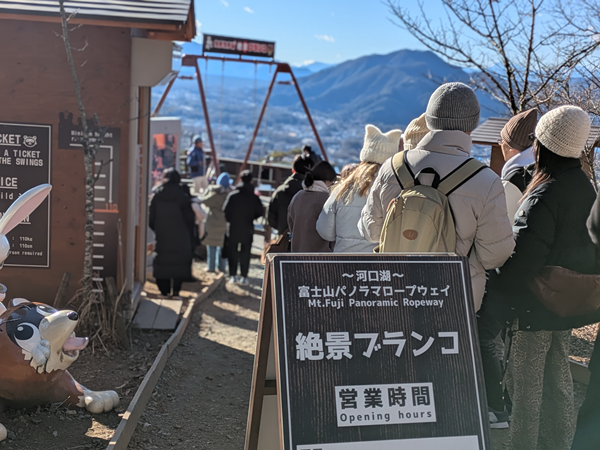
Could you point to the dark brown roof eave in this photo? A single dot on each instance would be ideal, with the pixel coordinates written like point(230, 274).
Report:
point(98, 22)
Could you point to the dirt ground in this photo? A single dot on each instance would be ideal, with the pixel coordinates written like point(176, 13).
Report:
point(52, 427)
point(582, 343)
point(201, 400)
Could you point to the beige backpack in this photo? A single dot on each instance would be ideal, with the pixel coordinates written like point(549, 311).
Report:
point(420, 219)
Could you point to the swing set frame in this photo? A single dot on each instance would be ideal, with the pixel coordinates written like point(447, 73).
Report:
point(280, 68)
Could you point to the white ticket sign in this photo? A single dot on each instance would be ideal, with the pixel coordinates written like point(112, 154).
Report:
point(384, 404)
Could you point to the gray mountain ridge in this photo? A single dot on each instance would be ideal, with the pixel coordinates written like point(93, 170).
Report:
point(386, 90)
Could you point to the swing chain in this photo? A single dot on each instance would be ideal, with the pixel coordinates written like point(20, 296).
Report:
point(221, 106)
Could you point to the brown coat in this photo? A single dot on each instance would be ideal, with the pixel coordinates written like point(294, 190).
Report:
point(303, 213)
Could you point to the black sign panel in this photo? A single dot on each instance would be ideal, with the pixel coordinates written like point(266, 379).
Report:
point(378, 353)
point(106, 190)
point(25, 158)
point(237, 46)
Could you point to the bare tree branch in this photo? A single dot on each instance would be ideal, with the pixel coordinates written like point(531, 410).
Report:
point(90, 149)
point(520, 58)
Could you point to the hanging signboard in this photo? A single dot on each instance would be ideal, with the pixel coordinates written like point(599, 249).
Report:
point(237, 46)
point(106, 191)
point(25, 158)
point(374, 352)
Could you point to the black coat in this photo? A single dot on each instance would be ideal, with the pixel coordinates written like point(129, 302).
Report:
point(242, 208)
point(550, 230)
point(593, 224)
point(315, 158)
point(280, 202)
point(172, 219)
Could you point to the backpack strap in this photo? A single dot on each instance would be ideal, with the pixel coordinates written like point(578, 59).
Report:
point(460, 175)
point(402, 171)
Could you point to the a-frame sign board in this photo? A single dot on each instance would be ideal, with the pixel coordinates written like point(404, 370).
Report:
point(374, 352)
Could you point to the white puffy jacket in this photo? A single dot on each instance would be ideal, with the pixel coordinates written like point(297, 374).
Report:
point(483, 229)
point(512, 192)
point(339, 222)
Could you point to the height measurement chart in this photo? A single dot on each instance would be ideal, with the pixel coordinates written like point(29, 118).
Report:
point(377, 352)
point(25, 158)
point(106, 191)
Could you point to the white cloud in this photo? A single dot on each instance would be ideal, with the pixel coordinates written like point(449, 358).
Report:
point(248, 10)
point(225, 3)
point(325, 37)
point(308, 62)
point(198, 26)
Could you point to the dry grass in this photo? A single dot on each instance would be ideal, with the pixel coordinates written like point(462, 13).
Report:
point(101, 318)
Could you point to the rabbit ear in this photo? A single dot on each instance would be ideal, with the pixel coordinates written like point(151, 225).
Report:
point(23, 206)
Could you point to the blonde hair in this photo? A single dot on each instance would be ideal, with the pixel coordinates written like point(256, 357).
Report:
point(358, 182)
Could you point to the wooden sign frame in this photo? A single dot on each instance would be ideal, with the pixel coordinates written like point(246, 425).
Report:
point(263, 382)
point(262, 432)
point(26, 162)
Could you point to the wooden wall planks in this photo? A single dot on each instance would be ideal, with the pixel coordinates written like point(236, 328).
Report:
point(35, 86)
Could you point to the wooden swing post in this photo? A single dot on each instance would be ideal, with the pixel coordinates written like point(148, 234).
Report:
point(192, 61)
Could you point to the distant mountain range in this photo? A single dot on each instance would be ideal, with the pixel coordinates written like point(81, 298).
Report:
point(387, 90)
point(310, 69)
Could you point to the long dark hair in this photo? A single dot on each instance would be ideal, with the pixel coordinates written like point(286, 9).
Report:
point(323, 171)
point(546, 164)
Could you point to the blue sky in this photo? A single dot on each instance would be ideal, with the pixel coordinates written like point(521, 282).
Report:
point(328, 31)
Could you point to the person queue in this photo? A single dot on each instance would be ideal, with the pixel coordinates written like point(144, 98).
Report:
point(540, 216)
point(534, 217)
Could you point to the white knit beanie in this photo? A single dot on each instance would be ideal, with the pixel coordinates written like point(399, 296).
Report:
point(564, 131)
point(379, 146)
point(415, 131)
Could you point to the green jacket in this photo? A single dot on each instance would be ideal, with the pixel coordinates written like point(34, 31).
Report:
point(549, 230)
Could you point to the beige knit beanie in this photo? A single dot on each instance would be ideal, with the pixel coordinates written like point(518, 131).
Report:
point(564, 131)
point(415, 131)
point(379, 146)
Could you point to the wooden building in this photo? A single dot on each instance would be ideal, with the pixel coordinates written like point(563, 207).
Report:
point(488, 133)
point(272, 174)
point(125, 48)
